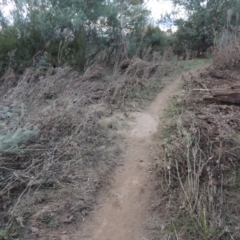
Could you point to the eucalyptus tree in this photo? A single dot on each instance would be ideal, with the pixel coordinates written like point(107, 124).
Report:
point(60, 32)
point(65, 30)
point(206, 18)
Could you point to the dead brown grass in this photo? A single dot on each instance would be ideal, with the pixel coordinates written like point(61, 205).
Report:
point(226, 53)
point(199, 171)
point(49, 184)
point(52, 181)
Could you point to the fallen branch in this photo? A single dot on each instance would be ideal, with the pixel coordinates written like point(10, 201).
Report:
point(206, 90)
point(224, 96)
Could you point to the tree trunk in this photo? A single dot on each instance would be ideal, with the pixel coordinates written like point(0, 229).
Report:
point(123, 37)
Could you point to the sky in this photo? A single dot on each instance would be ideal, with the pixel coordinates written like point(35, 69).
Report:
point(7, 8)
point(159, 7)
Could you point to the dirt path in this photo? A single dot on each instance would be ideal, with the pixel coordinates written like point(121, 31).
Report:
point(122, 213)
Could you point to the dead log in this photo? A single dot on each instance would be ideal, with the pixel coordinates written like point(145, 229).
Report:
point(224, 92)
point(224, 96)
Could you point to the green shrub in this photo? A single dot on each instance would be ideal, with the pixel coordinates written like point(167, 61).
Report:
point(10, 142)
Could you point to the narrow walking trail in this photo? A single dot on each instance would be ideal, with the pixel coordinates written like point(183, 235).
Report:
point(122, 212)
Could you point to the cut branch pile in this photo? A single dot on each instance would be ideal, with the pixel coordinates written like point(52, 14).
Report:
point(229, 94)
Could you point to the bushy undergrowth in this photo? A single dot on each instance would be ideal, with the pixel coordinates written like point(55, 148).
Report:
point(142, 79)
point(200, 171)
point(226, 53)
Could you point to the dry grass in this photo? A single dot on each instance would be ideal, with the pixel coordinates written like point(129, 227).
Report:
point(63, 168)
point(141, 80)
point(199, 171)
point(50, 181)
point(226, 54)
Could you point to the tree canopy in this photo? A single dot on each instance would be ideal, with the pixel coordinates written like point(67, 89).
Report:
point(206, 18)
point(47, 33)
point(57, 32)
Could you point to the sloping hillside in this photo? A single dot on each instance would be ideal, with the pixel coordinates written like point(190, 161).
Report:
point(60, 139)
